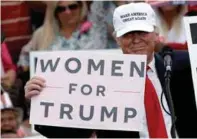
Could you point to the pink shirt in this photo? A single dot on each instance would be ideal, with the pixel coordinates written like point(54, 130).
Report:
point(6, 58)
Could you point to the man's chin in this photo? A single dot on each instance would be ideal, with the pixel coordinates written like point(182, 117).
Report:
point(137, 52)
point(140, 53)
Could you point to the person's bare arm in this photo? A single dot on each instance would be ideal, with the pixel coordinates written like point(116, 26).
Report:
point(9, 78)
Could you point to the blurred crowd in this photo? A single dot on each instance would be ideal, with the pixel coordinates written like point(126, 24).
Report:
point(65, 25)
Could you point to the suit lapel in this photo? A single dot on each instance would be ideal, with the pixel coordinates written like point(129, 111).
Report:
point(160, 72)
point(160, 69)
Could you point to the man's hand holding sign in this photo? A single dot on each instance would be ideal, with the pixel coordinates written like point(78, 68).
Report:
point(83, 90)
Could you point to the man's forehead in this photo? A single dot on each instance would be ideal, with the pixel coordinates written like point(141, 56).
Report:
point(9, 111)
point(137, 31)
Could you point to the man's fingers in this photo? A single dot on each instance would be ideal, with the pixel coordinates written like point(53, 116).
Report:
point(38, 78)
point(36, 81)
point(32, 87)
point(30, 94)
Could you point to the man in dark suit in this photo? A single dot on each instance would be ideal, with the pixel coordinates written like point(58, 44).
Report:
point(135, 25)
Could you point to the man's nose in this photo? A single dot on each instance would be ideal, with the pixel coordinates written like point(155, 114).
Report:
point(135, 37)
point(6, 122)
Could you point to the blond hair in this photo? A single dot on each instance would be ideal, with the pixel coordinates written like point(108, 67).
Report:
point(162, 25)
point(47, 32)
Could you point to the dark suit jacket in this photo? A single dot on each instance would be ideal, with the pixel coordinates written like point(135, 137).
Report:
point(182, 95)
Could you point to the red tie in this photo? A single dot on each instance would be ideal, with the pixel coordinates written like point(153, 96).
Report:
point(154, 116)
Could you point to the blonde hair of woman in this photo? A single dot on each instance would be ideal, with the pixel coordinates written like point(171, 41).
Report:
point(46, 33)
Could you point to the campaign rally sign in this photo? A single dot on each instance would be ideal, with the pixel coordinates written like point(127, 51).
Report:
point(191, 33)
point(87, 89)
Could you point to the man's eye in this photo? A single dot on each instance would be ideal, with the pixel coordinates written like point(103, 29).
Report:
point(127, 35)
point(143, 33)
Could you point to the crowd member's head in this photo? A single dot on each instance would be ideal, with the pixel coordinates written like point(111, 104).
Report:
point(61, 16)
point(168, 6)
point(9, 120)
point(69, 12)
point(170, 20)
point(11, 117)
point(135, 29)
point(177, 8)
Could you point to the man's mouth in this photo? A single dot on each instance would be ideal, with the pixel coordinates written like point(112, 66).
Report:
point(137, 49)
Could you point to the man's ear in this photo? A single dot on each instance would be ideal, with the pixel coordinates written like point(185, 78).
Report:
point(157, 38)
point(118, 41)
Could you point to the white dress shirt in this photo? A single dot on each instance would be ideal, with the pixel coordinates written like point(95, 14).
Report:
point(152, 74)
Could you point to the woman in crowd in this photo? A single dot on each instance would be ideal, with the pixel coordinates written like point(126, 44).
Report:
point(171, 24)
point(66, 28)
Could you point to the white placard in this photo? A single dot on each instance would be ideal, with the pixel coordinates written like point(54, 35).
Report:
point(191, 33)
point(87, 89)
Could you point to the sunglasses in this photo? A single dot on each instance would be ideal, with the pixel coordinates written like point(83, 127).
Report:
point(72, 7)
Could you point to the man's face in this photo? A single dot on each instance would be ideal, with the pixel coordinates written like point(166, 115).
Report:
point(138, 42)
point(8, 120)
